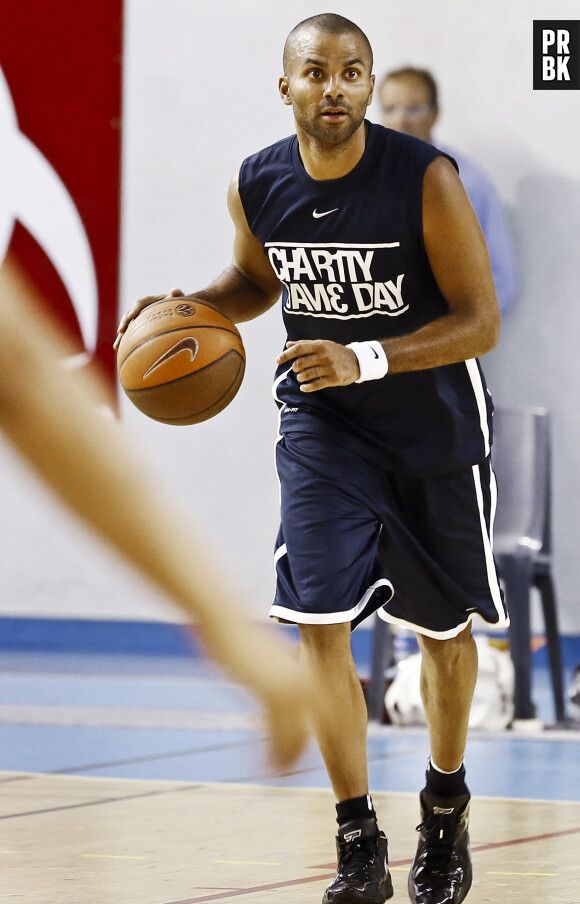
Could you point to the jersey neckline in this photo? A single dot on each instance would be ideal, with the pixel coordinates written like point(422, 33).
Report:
point(330, 186)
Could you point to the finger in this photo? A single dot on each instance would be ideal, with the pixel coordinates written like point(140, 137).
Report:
point(295, 349)
point(121, 329)
point(316, 385)
point(125, 321)
point(128, 316)
point(134, 312)
point(307, 372)
point(304, 362)
point(287, 355)
point(175, 293)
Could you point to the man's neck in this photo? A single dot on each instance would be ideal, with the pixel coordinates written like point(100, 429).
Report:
point(323, 163)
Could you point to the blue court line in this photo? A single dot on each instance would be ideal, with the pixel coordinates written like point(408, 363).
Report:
point(507, 765)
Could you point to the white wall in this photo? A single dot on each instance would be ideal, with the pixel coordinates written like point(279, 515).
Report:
point(200, 94)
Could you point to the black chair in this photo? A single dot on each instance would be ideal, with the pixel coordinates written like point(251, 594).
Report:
point(382, 659)
point(523, 550)
point(521, 458)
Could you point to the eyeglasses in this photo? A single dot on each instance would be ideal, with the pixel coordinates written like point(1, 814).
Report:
point(413, 111)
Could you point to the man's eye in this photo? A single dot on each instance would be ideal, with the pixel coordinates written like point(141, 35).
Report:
point(352, 73)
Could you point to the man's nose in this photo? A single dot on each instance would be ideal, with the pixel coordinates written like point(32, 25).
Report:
point(333, 88)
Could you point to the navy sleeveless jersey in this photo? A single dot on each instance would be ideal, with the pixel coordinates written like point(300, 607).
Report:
point(351, 257)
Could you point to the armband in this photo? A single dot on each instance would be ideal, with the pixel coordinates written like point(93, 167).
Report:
point(372, 360)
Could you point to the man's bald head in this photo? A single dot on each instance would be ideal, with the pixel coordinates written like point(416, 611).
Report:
point(330, 23)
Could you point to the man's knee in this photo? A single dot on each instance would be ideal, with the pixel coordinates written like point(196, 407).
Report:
point(325, 640)
point(449, 650)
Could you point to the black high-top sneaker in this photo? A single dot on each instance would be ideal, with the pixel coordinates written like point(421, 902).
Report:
point(441, 872)
point(363, 874)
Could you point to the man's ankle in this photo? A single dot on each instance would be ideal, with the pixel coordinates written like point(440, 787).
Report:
point(445, 784)
point(355, 808)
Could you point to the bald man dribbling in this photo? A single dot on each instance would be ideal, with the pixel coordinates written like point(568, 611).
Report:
point(387, 492)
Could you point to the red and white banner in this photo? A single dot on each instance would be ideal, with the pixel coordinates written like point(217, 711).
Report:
point(60, 158)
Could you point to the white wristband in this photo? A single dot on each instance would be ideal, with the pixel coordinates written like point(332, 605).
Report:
point(372, 360)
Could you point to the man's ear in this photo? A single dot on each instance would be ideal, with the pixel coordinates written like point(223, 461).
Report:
point(284, 89)
point(370, 100)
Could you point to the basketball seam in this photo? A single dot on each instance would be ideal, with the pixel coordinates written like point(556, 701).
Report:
point(168, 420)
point(231, 351)
point(179, 300)
point(178, 329)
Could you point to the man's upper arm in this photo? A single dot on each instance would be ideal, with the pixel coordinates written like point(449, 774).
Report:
point(249, 256)
point(455, 245)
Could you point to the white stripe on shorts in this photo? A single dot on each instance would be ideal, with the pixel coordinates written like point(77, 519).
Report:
point(487, 542)
point(479, 392)
point(279, 435)
point(281, 551)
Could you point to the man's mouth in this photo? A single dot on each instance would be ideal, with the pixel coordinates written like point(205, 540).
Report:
point(334, 114)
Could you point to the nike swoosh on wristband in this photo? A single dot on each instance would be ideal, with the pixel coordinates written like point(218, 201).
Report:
point(184, 345)
point(324, 213)
point(375, 352)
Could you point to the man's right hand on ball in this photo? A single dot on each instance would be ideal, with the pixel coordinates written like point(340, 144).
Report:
point(138, 307)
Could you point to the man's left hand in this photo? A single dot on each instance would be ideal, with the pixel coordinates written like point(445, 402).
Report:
point(320, 363)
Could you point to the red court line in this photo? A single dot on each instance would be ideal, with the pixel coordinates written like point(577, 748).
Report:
point(274, 886)
point(238, 892)
point(477, 848)
point(499, 844)
point(392, 864)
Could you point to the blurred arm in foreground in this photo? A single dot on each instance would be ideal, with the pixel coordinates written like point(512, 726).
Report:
point(50, 416)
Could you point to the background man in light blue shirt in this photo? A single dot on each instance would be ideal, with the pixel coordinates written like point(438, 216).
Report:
point(409, 103)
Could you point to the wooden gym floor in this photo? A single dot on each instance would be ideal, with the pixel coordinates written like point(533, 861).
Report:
point(143, 782)
point(119, 841)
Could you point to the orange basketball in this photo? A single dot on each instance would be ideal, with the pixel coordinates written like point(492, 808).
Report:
point(181, 361)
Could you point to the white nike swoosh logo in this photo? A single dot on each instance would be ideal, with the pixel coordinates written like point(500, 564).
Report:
point(324, 213)
point(184, 345)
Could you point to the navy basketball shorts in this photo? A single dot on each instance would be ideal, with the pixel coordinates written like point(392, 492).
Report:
point(355, 539)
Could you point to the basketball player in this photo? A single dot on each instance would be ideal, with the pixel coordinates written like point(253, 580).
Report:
point(386, 490)
point(51, 417)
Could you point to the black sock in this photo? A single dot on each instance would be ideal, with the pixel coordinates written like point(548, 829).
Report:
point(446, 784)
point(355, 808)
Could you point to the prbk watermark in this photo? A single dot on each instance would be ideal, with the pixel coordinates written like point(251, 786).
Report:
point(556, 55)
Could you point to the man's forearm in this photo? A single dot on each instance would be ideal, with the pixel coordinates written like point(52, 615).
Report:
point(236, 296)
point(447, 340)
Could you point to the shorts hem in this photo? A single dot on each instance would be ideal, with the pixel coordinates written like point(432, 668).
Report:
point(294, 616)
point(439, 635)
